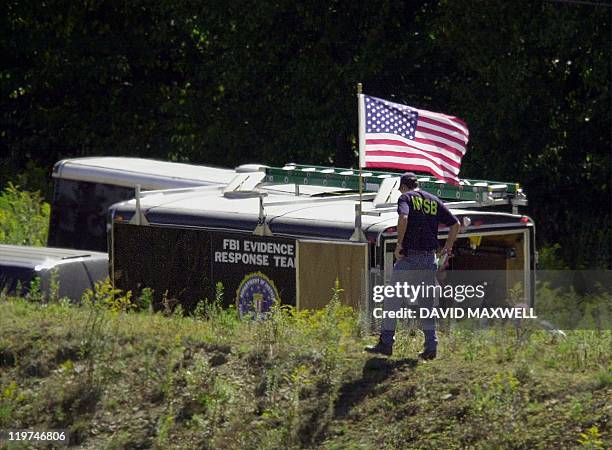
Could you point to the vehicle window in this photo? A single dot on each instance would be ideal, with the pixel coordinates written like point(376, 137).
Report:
point(78, 213)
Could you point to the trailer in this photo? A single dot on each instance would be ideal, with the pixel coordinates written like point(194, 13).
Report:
point(287, 234)
point(84, 188)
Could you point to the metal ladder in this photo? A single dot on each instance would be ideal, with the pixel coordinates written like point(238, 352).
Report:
point(470, 193)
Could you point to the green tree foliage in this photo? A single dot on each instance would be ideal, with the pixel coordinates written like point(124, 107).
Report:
point(24, 217)
point(532, 80)
point(226, 83)
point(216, 83)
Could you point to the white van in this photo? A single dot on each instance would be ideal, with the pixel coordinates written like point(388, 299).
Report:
point(74, 270)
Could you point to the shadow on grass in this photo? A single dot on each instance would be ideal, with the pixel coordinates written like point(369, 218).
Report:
point(375, 371)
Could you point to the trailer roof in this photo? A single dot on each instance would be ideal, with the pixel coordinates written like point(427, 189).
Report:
point(150, 174)
point(286, 213)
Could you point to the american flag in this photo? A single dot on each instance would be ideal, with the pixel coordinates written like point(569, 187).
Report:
point(401, 137)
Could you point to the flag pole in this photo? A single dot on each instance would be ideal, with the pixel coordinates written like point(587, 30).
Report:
point(358, 235)
point(359, 92)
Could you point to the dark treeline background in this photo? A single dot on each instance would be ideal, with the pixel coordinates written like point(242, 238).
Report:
point(224, 83)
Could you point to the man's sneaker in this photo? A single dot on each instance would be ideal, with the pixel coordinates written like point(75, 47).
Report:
point(426, 356)
point(381, 347)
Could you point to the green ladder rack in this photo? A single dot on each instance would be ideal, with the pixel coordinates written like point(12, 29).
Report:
point(470, 192)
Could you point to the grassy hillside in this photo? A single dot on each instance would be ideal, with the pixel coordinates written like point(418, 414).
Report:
point(120, 379)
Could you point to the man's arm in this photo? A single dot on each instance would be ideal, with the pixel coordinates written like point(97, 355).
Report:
point(452, 236)
point(448, 219)
point(402, 223)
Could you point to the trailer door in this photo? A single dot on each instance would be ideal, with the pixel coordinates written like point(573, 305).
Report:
point(320, 263)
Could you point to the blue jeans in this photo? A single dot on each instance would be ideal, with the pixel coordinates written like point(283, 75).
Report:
point(415, 268)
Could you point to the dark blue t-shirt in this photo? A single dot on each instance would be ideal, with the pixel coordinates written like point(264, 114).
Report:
point(425, 211)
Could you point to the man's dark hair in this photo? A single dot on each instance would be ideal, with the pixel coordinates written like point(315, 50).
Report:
point(409, 180)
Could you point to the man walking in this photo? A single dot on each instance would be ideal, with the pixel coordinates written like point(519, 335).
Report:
point(420, 213)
